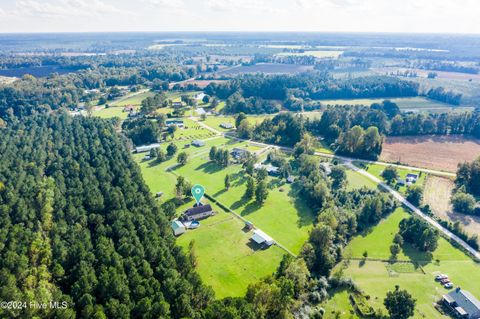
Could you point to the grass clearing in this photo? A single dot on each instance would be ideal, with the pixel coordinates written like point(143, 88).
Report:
point(225, 260)
point(357, 180)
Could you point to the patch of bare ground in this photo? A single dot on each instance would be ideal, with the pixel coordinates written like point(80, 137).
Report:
point(438, 191)
point(433, 152)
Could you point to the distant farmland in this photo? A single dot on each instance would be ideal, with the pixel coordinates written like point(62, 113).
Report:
point(269, 68)
point(436, 152)
point(407, 104)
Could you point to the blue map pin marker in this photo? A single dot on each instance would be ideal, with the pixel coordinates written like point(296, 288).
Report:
point(197, 192)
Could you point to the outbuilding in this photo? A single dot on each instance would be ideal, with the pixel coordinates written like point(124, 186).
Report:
point(178, 227)
point(198, 143)
point(226, 126)
point(261, 238)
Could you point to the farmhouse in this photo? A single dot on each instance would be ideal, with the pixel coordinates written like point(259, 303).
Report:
point(198, 143)
point(271, 170)
point(238, 152)
point(177, 227)
point(201, 111)
point(412, 178)
point(176, 122)
point(146, 148)
point(226, 126)
point(463, 304)
point(198, 212)
point(261, 238)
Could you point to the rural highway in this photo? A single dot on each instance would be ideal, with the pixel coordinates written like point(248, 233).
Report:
point(349, 163)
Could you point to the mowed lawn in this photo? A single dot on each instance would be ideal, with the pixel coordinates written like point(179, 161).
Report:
point(374, 279)
point(356, 180)
point(225, 260)
point(284, 216)
point(135, 100)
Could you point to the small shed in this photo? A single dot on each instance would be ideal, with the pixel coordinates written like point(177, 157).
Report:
point(198, 143)
point(290, 179)
point(261, 238)
point(226, 126)
point(178, 227)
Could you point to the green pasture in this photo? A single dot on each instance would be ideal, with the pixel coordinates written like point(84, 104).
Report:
point(226, 261)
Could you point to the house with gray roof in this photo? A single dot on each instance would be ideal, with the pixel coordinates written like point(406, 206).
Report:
point(463, 304)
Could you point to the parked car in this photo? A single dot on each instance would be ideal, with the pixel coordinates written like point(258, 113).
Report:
point(448, 285)
point(441, 277)
point(445, 281)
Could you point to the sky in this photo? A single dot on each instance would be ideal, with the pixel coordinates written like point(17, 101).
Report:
point(406, 16)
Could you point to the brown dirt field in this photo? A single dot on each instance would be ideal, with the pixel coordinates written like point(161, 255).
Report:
point(437, 194)
point(433, 152)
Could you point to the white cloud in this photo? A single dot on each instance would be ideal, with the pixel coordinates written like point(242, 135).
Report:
point(64, 8)
point(176, 4)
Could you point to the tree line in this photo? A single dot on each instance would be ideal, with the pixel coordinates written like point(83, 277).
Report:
point(79, 225)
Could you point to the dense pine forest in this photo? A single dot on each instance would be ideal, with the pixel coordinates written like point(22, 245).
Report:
point(79, 225)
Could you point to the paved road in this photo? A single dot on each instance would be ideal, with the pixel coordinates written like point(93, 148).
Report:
point(415, 210)
point(349, 163)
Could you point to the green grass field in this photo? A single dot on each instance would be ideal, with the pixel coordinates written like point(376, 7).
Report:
point(283, 216)
point(112, 111)
point(357, 180)
point(135, 100)
point(215, 121)
point(374, 279)
point(225, 259)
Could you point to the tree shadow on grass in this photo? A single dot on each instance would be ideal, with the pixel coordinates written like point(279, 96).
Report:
point(305, 214)
point(209, 168)
point(275, 183)
point(220, 192)
point(416, 256)
point(251, 208)
point(239, 203)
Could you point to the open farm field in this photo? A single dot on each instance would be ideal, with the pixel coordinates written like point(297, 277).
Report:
point(315, 53)
point(434, 152)
point(437, 195)
point(375, 277)
point(407, 104)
